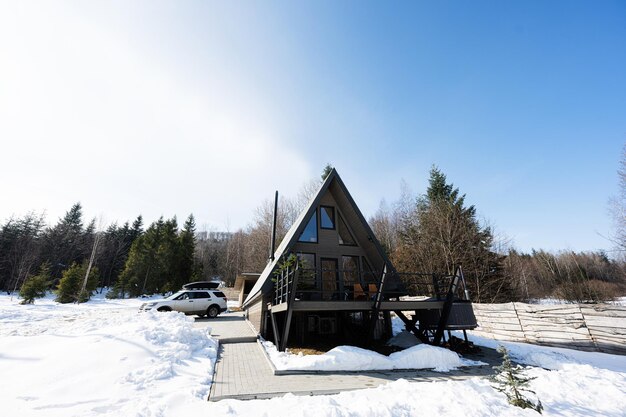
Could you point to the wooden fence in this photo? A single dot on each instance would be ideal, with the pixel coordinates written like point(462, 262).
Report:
point(593, 327)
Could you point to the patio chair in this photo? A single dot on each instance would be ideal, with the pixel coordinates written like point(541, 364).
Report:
point(372, 290)
point(359, 294)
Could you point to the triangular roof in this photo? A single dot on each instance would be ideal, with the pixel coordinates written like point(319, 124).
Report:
point(264, 282)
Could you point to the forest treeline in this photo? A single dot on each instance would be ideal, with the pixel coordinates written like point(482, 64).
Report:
point(432, 232)
point(131, 259)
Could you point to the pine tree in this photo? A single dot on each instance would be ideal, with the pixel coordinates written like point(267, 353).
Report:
point(441, 232)
point(126, 283)
point(327, 170)
point(20, 249)
point(160, 260)
point(153, 264)
point(168, 253)
point(92, 283)
point(152, 260)
point(187, 248)
point(65, 241)
point(69, 289)
point(511, 381)
point(137, 228)
point(35, 286)
point(138, 267)
point(116, 245)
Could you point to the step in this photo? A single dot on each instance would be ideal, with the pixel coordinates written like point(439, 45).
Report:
point(238, 339)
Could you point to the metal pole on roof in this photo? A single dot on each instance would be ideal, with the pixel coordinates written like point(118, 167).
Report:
point(273, 241)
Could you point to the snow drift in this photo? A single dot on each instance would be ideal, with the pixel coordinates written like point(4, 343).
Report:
point(350, 358)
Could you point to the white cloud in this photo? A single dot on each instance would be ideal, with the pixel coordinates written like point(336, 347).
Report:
point(84, 116)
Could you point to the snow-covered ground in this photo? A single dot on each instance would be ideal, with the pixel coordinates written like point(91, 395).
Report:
point(100, 358)
point(552, 357)
point(620, 301)
point(103, 358)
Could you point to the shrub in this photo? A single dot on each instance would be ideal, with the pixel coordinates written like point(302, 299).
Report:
point(35, 286)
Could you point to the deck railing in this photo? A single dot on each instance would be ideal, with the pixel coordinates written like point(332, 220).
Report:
point(351, 285)
point(284, 284)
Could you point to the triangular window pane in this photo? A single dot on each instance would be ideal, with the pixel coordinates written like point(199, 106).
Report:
point(309, 234)
point(345, 237)
point(327, 217)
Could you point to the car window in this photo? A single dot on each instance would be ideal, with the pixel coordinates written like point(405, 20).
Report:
point(175, 295)
point(219, 294)
point(183, 296)
point(201, 295)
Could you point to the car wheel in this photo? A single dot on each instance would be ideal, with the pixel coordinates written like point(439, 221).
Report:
point(164, 309)
point(212, 312)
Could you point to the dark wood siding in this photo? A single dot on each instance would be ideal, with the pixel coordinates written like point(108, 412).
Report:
point(328, 241)
point(255, 315)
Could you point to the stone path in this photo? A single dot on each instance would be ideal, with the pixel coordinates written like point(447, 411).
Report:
point(243, 371)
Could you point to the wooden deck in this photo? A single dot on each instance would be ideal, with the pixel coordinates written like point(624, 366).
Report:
point(359, 305)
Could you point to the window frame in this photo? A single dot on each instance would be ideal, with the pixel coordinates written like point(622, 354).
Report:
point(339, 238)
point(356, 271)
point(312, 267)
point(317, 234)
point(334, 218)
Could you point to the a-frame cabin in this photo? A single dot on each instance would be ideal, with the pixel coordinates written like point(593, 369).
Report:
point(330, 279)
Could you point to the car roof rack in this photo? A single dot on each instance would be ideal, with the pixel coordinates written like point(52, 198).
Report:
point(202, 285)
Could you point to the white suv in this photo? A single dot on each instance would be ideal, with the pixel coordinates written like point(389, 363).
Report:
point(200, 302)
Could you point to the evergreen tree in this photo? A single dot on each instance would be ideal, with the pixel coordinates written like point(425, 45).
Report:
point(159, 261)
point(137, 228)
point(127, 281)
point(169, 275)
point(65, 243)
point(140, 264)
point(116, 245)
point(69, 289)
point(35, 286)
point(187, 248)
point(441, 233)
point(511, 381)
point(111, 246)
point(20, 249)
point(327, 169)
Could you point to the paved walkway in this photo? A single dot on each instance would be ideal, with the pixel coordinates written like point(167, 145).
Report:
point(229, 328)
point(243, 371)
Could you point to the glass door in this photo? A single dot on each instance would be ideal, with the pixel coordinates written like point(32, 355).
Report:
point(330, 279)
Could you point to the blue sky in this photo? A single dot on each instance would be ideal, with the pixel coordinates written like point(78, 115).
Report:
point(207, 107)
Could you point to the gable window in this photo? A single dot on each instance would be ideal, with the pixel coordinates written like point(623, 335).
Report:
point(327, 217)
point(309, 234)
point(345, 237)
